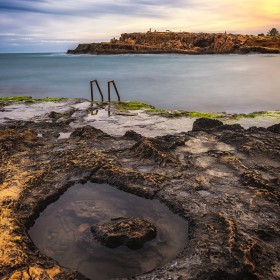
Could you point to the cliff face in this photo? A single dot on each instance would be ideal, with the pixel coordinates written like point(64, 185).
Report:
point(182, 42)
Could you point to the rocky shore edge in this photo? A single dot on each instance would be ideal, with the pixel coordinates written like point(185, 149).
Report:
point(182, 43)
point(223, 179)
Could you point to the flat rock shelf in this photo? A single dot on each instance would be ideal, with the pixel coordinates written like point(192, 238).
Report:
point(222, 178)
point(63, 232)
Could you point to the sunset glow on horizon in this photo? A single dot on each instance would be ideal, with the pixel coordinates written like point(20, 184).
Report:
point(48, 25)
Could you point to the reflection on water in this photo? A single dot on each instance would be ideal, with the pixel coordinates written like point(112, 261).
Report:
point(63, 232)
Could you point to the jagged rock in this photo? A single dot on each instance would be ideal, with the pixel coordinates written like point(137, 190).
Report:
point(132, 232)
point(183, 42)
point(132, 135)
point(205, 124)
point(274, 128)
point(54, 115)
point(229, 196)
point(147, 149)
point(11, 141)
point(231, 127)
point(88, 132)
point(255, 129)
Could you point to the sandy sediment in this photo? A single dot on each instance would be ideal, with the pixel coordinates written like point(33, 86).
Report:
point(223, 180)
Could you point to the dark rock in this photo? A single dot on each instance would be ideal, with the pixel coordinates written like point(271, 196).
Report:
point(223, 275)
point(12, 141)
point(132, 232)
point(132, 135)
point(255, 129)
point(145, 148)
point(231, 127)
point(88, 132)
point(54, 115)
point(274, 128)
point(67, 114)
point(205, 124)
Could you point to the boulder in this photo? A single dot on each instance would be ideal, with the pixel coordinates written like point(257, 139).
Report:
point(131, 232)
point(88, 132)
point(132, 135)
point(205, 124)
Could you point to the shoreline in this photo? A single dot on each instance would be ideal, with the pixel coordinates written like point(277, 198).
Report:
point(121, 116)
point(183, 42)
point(211, 175)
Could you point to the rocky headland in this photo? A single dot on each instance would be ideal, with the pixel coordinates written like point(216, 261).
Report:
point(223, 179)
point(182, 43)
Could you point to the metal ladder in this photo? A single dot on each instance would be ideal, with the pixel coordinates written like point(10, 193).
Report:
point(100, 91)
point(109, 90)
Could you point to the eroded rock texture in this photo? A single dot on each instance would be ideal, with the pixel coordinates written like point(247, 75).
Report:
point(224, 181)
point(183, 42)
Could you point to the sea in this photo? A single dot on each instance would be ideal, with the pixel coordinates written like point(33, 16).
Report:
point(209, 83)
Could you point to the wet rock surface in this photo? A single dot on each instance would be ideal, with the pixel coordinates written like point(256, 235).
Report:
point(225, 182)
point(205, 124)
point(131, 232)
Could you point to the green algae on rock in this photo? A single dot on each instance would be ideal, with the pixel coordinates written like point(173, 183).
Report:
point(7, 100)
point(132, 105)
point(269, 114)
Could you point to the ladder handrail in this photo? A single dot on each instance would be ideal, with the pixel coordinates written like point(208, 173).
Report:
point(109, 90)
point(99, 89)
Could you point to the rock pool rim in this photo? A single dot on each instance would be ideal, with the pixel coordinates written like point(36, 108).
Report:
point(135, 205)
point(22, 216)
point(42, 205)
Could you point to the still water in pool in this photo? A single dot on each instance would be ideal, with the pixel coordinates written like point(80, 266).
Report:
point(63, 232)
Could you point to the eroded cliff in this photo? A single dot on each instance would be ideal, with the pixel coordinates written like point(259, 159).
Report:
point(182, 42)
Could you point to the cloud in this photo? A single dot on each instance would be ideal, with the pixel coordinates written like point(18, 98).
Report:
point(86, 8)
point(20, 6)
point(38, 21)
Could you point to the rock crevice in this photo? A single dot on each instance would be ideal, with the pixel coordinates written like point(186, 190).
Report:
point(222, 179)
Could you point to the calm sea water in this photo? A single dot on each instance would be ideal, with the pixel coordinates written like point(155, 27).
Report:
point(231, 83)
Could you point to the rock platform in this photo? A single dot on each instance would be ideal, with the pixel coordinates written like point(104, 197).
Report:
point(223, 180)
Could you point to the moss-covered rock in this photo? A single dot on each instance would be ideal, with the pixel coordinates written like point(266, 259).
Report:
point(132, 105)
point(7, 100)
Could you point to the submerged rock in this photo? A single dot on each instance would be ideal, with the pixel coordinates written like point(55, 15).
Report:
point(132, 232)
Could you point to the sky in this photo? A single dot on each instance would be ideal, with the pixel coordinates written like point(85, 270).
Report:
point(58, 25)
